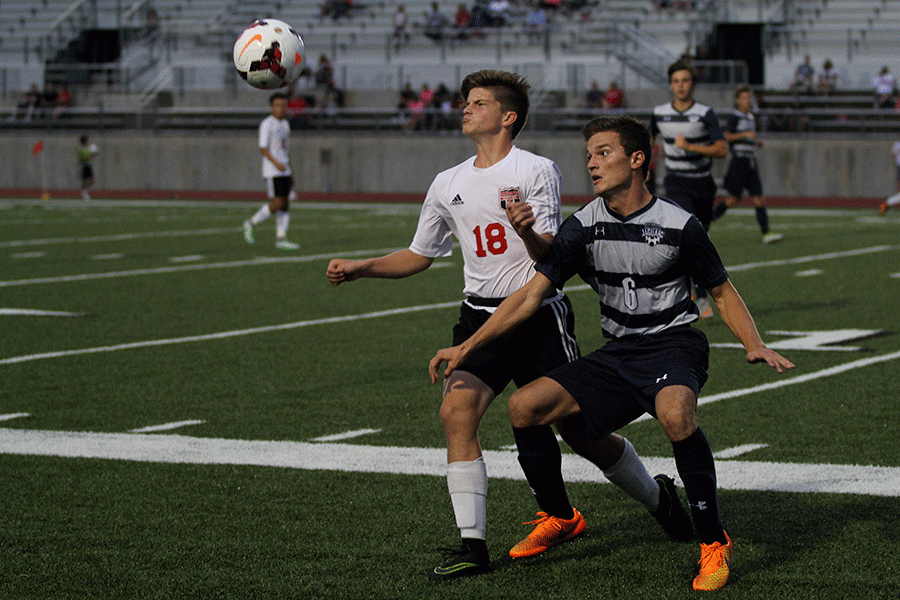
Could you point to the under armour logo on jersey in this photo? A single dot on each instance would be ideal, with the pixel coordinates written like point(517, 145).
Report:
point(658, 379)
point(652, 233)
point(457, 201)
point(700, 505)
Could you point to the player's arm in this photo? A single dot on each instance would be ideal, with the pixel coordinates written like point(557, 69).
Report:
point(517, 308)
point(718, 149)
point(396, 265)
point(735, 314)
point(278, 165)
point(521, 217)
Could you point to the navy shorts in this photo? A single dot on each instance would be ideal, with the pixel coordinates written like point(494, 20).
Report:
point(87, 171)
point(280, 187)
point(542, 343)
point(694, 194)
point(619, 382)
point(742, 174)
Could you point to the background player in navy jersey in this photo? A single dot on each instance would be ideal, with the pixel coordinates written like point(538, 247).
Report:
point(691, 138)
point(503, 207)
point(743, 170)
point(638, 252)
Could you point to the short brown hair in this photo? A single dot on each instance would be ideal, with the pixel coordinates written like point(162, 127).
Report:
point(510, 90)
point(683, 65)
point(633, 135)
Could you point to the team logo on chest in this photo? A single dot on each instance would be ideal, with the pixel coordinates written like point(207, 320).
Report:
point(652, 233)
point(509, 196)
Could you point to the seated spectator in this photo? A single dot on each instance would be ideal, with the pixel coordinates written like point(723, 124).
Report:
point(436, 23)
point(29, 104)
point(594, 97)
point(828, 78)
point(497, 13)
point(479, 15)
point(803, 77)
point(551, 5)
point(340, 8)
point(536, 21)
point(63, 101)
point(462, 22)
point(885, 89)
point(614, 97)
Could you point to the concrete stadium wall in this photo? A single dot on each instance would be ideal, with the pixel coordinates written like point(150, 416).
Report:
point(168, 164)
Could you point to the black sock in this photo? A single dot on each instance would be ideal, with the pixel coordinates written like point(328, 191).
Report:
point(762, 217)
point(476, 546)
point(719, 210)
point(697, 469)
point(541, 461)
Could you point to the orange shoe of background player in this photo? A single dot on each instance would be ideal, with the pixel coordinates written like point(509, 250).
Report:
point(549, 532)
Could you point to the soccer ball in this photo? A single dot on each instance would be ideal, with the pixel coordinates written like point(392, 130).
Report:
point(269, 54)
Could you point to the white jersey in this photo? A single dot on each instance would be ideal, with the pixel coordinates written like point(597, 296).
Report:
point(274, 134)
point(466, 201)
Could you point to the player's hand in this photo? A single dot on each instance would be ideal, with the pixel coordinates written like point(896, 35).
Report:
point(340, 270)
point(452, 356)
point(520, 216)
point(681, 142)
point(771, 358)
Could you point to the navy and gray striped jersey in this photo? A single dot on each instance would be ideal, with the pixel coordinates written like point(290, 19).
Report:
point(641, 266)
point(699, 125)
point(739, 122)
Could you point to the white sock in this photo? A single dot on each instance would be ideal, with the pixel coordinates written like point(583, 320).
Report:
point(282, 218)
point(893, 200)
point(468, 484)
point(630, 474)
point(261, 215)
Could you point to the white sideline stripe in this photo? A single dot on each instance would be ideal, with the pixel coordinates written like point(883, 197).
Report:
point(180, 268)
point(738, 450)
point(228, 334)
point(39, 313)
point(178, 449)
point(181, 259)
point(347, 435)
point(12, 416)
point(856, 364)
point(28, 255)
point(809, 273)
point(167, 426)
point(116, 238)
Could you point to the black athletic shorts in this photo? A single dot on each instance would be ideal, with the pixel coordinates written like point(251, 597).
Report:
point(87, 171)
point(694, 194)
point(742, 174)
point(544, 342)
point(281, 186)
point(619, 382)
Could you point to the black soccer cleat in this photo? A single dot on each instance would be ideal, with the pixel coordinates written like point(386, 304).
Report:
point(470, 559)
point(670, 513)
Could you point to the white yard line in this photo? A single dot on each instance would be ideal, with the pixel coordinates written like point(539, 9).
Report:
point(167, 426)
point(178, 449)
point(117, 237)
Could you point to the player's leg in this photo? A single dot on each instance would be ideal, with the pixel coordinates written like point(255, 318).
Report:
point(754, 186)
point(891, 201)
point(733, 185)
point(265, 211)
point(466, 398)
point(280, 206)
point(676, 407)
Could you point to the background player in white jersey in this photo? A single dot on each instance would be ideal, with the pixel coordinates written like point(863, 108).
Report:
point(638, 252)
point(895, 199)
point(503, 207)
point(274, 145)
point(691, 138)
point(743, 171)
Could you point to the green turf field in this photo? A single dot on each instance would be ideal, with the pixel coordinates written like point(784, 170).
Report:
point(186, 416)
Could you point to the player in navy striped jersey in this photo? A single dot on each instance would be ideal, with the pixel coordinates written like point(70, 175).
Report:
point(639, 253)
point(691, 138)
point(503, 207)
point(743, 171)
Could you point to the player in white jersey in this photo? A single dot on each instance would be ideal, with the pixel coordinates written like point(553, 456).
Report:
point(638, 252)
point(274, 145)
point(503, 207)
point(743, 172)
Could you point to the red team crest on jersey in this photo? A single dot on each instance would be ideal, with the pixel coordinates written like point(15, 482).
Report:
point(509, 196)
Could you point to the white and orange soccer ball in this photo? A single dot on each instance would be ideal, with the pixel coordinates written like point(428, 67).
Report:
point(269, 54)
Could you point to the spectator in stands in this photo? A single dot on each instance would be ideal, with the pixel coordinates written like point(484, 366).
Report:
point(536, 21)
point(479, 16)
point(340, 8)
point(47, 102)
point(803, 77)
point(594, 96)
point(401, 22)
point(426, 94)
point(614, 97)
point(885, 89)
point(63, 101)
point(436, 23)
point(462, 22)
point(551, 5)
point(828, 78)
point(29, 103)
point(497, 13)
point(441, 116)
